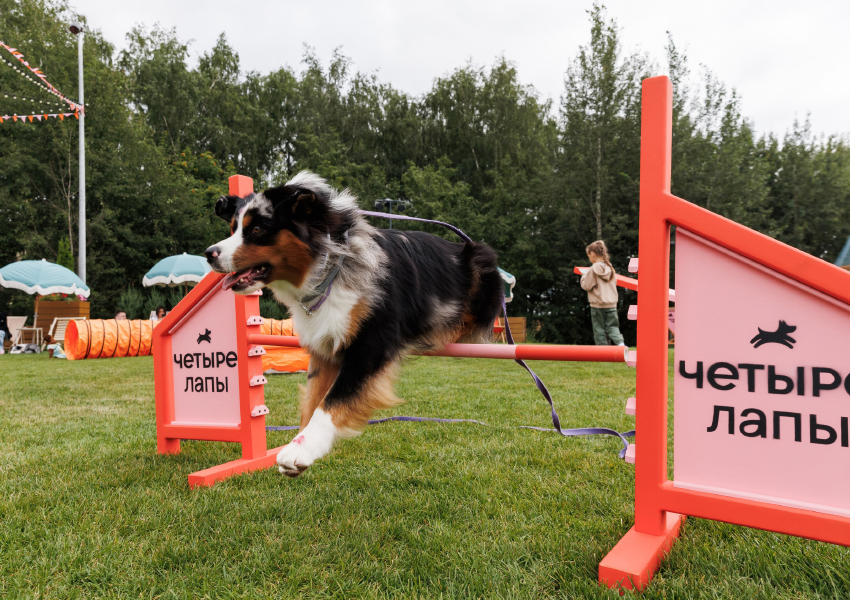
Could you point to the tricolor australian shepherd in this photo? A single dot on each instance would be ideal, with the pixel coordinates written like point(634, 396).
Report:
point(361, 298)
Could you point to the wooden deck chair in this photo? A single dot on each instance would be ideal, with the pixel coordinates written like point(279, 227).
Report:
point(60, 324)
point(517, 325)
point(14, 324)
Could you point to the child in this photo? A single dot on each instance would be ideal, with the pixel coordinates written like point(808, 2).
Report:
point(54, 348)
point(600, 282)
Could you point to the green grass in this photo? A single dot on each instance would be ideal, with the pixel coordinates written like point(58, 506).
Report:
point(407, 510)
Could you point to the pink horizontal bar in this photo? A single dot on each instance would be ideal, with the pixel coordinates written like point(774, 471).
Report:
point(504, 351)
point(274, 340)
point(477, 351)
point(572, 353)
point(625, 282)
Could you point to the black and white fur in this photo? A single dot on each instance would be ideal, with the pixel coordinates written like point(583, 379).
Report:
point(396, 292)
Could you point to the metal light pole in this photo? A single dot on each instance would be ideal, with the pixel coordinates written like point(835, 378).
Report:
point(388, 204)
point(77, 29)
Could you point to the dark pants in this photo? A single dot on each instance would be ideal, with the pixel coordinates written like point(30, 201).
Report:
point(606, 326)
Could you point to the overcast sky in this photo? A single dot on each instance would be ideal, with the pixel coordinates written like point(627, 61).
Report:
point(786, 59)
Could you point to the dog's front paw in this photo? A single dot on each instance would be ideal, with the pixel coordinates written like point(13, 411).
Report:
point(296, 457)
point(314, 442)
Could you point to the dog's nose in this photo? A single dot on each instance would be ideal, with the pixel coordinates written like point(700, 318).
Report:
point(211, 253)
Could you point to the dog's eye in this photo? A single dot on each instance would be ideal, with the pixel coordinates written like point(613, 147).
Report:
point(256, 230)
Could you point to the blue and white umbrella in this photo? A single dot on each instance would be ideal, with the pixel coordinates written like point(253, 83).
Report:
point(508, 281)
point(177, 269)
point(42, 278)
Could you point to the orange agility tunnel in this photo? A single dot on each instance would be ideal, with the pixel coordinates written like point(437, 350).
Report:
point(278, 358)
point(107, 338)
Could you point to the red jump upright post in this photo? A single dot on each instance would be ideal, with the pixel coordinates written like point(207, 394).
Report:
point(772, 468)
point(637, 556)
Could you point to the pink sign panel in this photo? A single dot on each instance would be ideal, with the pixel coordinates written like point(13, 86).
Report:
point(203, 346)
point(762, 383)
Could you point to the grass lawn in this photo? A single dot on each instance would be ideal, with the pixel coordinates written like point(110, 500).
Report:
point(407, 510)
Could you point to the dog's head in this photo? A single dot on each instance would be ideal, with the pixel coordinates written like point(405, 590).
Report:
point(277, 235)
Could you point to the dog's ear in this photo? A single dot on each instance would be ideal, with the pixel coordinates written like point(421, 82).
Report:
point(297, 204)
point(304, 204)
point(225, 207)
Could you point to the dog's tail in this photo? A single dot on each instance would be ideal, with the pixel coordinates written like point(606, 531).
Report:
point(485, 291)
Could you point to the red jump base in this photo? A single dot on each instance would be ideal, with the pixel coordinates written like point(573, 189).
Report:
point(635, 559)
point(208, 477)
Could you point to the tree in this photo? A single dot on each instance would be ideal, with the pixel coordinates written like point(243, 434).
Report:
point(809, 191)
point(600, 112)
point(717, 162)
point(64, 256)
point(479, 149)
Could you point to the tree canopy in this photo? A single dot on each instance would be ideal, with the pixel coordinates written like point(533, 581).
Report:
point(537, 180)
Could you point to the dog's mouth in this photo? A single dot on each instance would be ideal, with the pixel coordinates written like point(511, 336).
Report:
point(241, 280)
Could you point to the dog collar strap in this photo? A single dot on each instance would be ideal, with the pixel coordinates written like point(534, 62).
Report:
point(323, 289)
point(316, 306)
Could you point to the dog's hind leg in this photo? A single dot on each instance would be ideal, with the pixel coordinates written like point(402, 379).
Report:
point(363, 385)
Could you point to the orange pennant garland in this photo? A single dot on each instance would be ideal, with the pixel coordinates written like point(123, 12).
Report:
point(38, 73)
point(25, 118)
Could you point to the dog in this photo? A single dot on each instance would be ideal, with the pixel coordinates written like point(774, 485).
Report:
point(204, 337)
point(361, 298)
point(780, 336)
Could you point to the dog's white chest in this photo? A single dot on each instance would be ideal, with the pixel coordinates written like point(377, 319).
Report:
point(327, 329)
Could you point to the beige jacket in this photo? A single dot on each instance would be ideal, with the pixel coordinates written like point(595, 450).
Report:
point(600, 282)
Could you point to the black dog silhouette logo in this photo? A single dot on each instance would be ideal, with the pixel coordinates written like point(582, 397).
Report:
point(205, 337)
point(780, 336)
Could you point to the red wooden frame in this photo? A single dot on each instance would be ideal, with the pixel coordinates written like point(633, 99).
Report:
point(659, 507)
point(251, 431)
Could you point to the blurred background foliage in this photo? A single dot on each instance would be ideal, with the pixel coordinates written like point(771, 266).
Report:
point(538, 180)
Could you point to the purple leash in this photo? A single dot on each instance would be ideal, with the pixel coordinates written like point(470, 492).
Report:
point(384, 420)
point(460, 234)
point(556, 421)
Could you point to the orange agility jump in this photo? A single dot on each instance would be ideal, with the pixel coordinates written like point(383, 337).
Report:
point(759, 432)
point(208, 369)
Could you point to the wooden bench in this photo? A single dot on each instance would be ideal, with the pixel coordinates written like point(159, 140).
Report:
point(517, 325)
